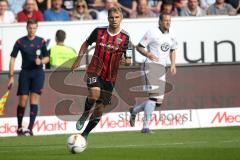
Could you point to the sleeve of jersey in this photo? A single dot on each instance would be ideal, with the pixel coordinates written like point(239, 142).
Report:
point(126, 44)
point(174, 44)
point(92, 38)
point(44, 51)
point(146, 39)
point(127, 47)
point(15, 50)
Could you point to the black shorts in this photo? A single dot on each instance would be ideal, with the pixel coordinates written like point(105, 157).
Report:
point(30, 81)
point(106, 87)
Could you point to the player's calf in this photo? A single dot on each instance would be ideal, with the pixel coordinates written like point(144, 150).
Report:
point(132, 118)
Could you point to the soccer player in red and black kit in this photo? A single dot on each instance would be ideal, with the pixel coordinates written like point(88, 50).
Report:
point(31, 78)
point(111, 45)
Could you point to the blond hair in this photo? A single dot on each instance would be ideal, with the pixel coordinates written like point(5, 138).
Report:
point(115, 10)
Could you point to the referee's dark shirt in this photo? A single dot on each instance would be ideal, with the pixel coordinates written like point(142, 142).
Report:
point(29, 50)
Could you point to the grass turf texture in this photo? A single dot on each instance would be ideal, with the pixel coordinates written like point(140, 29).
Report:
point(184, 144)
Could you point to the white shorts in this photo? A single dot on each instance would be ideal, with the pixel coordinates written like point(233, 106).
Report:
point(154, 79)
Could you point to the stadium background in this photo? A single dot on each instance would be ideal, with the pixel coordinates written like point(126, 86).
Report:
point(204, 94)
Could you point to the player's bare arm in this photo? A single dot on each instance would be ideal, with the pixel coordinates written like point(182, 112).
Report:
point(141, 49)
point(82, 51)
point(173, 62)
point(11, 71)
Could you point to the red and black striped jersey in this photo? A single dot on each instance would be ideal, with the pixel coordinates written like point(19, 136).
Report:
point(108, 52)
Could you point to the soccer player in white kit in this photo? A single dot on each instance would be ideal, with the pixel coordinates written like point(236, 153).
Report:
point(157, 46)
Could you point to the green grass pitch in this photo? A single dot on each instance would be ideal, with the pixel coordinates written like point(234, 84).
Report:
point(181, 144)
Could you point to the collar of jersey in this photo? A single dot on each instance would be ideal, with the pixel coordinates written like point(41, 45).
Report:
point(113, 34)
point(162, 30)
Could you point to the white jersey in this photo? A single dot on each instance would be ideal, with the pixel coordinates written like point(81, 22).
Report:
point(159, 43)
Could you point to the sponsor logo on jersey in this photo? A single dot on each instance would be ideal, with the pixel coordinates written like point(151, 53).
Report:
point(119, 40)
point(165, 47)
point(109, 46)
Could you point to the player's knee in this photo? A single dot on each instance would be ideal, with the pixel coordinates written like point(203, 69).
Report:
point(91, 100)
point(23, 101)
point(158, 101)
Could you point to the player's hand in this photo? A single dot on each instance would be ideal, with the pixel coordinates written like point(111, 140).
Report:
point(117, 4)
point(128, 61)
point(76, 64)
point(125, 61)
point(38, 61)
point(152, 57)
point(122, 61)
point(173, 70)
point(10, 82)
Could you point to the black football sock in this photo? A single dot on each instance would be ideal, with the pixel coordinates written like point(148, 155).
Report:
point(33, 114)
point(88, 105)
point(91, 124)
point(20, 114)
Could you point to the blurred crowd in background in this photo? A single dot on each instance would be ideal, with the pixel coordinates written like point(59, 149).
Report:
point(13, 11)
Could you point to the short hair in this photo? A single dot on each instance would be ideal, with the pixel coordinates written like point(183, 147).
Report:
point(60, 35)
point(115, 10)
point(32, 21)
point(4, 1)
point(25, 3)
point(162, 15)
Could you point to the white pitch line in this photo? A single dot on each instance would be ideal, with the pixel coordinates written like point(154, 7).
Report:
point(230, 141)
point(54, 147)
point(43, 148)
point(150, 145)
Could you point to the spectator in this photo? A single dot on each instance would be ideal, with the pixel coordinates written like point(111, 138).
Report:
point(221, 8)
point(81, 11)
point(168, 7)
point(68, 5)
point(5, 15)
point(155, 5)
point(61, 54)
point(95, 4)
point(179, 4)
point(238, 9)
point(103, 14)
point(16, 5)
point(131, 4)
point(43, 5)
point(143, 11)
point(204, 4)
point(234, 3)
point(56, 13)
point(192, 9)
point(29, 12)
point(128, 7)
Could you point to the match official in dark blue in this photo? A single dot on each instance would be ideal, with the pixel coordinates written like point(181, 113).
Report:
point(31, 78)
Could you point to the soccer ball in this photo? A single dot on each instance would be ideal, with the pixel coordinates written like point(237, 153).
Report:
point(76, 143)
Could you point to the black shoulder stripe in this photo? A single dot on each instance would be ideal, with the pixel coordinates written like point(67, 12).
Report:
point(125, 32)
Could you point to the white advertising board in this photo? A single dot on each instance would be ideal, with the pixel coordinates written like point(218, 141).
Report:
point(119, 121)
